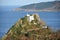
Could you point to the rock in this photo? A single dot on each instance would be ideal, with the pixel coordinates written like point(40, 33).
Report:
point(25, 30)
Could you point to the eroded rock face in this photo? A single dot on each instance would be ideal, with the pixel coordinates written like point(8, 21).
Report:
point(25, 30)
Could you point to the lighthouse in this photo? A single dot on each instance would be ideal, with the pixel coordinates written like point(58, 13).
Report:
point(30, 17)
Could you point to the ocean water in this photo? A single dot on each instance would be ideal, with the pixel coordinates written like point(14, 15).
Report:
point(8, 17)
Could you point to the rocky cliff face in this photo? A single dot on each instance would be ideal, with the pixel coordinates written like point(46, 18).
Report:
point(25, 30)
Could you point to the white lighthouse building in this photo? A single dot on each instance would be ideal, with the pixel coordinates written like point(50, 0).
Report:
point(30, 17)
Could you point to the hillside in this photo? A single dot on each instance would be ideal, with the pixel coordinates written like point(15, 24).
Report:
point(43, 6)
point(30, 27)
point(39, 5)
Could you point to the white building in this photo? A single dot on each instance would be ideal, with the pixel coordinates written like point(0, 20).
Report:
point(30, 18)
point(44, 26)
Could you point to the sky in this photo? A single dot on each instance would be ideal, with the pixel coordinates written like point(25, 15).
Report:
point(20, 2)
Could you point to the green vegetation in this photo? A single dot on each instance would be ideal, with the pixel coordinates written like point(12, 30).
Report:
point(42, 5)
point(0, 38)
point(25, 30)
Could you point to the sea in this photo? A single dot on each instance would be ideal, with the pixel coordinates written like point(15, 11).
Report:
point(8, 17)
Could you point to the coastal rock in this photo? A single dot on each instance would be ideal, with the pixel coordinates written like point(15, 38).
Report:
point(24, 30)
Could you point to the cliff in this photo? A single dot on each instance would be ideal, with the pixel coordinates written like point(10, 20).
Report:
point(28, 28)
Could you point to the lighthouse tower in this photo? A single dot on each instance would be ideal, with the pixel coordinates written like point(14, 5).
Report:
point(30, 17)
